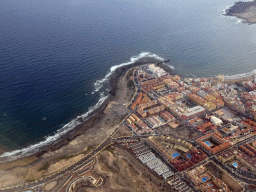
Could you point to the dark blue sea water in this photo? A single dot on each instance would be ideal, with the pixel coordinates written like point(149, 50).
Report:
point(54, 55)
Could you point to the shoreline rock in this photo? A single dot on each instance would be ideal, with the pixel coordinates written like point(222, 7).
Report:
point(243, 10)
point(95, 116)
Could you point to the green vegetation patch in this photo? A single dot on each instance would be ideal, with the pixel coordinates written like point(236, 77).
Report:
point(32, 179)
point(109, 149)
point(129, 74)
point(44, 167)
point(130, 84)
point(87, 150)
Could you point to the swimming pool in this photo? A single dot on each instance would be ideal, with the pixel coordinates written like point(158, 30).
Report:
point(175, 155)
point(189, 156)
point(235, 164)
point(208, 143)
point(205, 179)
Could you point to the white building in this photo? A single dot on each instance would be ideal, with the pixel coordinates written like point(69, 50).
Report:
point(157, 71)
point(216, 121)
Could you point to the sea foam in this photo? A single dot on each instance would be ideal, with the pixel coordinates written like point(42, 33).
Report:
point(9, 156)
point(99, 83)
point(233, 17)
point(32, 149)
point(252, 73)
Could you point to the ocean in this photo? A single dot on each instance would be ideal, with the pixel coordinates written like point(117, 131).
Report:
point(56, 56)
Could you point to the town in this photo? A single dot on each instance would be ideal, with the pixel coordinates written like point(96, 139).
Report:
point(216, 147)
point(182, 134)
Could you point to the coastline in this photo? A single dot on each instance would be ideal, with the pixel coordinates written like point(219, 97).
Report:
point(97, 113)
point(92, 118)
point(74, 146)
point(241, 11)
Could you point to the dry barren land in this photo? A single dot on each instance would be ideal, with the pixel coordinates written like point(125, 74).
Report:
point(36, 167)
point(123, 173)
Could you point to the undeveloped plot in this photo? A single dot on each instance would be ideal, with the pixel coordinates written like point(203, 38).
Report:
point(123, 172)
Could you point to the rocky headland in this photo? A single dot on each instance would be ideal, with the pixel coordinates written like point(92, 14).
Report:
point(243, 10)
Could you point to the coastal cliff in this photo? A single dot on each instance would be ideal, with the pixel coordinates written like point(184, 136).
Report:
point(243, 10)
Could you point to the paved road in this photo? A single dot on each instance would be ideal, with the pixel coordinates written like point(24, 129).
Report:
point(38, 185)
point(233, 174)
point(73, 168)
point(61, 173)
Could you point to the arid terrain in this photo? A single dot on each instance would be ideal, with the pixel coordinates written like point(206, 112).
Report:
point(124, 173)
point(34, 168)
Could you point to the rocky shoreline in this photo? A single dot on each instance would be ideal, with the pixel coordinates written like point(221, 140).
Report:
point(96, 115)
point(243, 10)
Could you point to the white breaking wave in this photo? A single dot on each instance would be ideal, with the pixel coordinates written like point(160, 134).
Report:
point(233, 17)
point(171, 67)
point(253, 73)
point(189, 75)
point(238, 20)
point(225, 10)
point(13, 155)
point(9, 156)
point(99, 83)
